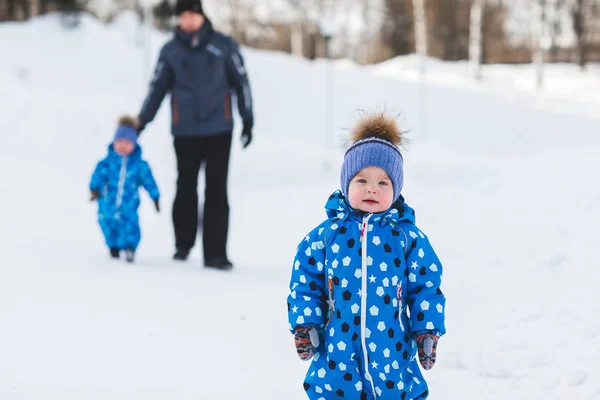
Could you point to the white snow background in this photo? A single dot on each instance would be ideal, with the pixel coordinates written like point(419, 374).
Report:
point(503, 180)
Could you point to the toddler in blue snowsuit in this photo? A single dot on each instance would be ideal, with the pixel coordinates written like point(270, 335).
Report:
point(115, 184)
point(365, 301)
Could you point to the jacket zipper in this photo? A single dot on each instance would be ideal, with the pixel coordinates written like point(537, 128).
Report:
point(121, 187)
point(363, 300)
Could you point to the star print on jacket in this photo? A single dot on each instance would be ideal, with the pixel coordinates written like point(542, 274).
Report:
point(385, 290)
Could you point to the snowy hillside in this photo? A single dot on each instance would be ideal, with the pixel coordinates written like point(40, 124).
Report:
point(503, 182)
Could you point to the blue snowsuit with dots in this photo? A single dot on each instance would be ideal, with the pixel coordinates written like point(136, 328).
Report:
point(118, 178)
point(369, 283)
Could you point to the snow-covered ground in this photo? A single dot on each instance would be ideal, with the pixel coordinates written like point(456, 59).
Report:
point(503, 180)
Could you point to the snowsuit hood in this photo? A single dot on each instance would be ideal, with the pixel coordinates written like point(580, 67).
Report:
point(337, 207)
point(136, 154)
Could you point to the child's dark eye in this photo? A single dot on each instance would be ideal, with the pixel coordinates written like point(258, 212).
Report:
point(383, 183)
point(361, 180)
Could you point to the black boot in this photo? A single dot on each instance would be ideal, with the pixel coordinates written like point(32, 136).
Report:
point(115, 253)
point(181, 255)
point(221, 263)
point(130, 255)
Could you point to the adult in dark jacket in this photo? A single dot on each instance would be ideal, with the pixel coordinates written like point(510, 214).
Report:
point(201, 68)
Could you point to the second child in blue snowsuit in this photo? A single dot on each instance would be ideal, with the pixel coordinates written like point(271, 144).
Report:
point(365, 301)
point(115, 185)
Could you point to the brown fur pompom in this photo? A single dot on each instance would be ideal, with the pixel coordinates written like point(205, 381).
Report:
point(127, 120)
point(379, 125)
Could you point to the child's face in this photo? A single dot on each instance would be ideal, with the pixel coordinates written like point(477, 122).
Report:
point(371, 190)
point(123, 147)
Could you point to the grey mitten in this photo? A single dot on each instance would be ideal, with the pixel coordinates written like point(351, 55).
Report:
point(427, 344)
point(307, 340)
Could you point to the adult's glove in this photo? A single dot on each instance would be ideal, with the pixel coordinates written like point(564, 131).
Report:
point(306, 339)
point(247, 132)
point(95, 195)
point(427, 344)
point(139, 126)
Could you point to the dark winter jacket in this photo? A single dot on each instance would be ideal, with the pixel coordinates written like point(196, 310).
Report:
point(370, 283)
point(201, 70)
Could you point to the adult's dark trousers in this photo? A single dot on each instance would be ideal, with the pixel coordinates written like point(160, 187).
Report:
point(192, 152)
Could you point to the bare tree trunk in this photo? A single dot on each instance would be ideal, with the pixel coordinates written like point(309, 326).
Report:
point(3, 10)
point(10, 10)
point(396, 29)
point(365, 48)
point(26, 9)
point(554, 29)
point(420, 31)
point(297, 39)
point(234, 19)
point(301, 37)
point(43, 7)
point(540, 42)
point(577, 13)
point(449, 31)
point(421, 47)
point(476, 37)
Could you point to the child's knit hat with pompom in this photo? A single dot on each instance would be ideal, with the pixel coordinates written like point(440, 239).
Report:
point(375, 140)
point(127, 129)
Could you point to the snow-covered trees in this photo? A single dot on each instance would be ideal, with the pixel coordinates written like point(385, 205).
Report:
point(481, 31)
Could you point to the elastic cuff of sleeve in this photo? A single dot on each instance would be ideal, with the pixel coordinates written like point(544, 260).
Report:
point(432, 332)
